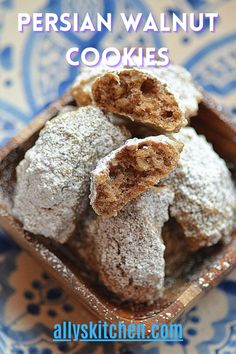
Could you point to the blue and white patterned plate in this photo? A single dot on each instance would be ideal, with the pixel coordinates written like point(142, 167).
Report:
point(30, 302)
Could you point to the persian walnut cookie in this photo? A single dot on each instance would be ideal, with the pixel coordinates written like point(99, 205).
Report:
point(128, 248)
point(205, 197)
point(53, 179)
point(163, 99)
point(131, 169)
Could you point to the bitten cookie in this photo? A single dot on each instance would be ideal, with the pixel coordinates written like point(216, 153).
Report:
point(130, 170)
point(128, 248)
point(205, 197)
point(160, 98)
point(53, 179)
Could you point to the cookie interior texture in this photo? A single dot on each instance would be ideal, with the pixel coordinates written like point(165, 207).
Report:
point(139, 96)
point(129, 172)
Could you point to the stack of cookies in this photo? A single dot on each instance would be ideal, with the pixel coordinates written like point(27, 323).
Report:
point(114, 173)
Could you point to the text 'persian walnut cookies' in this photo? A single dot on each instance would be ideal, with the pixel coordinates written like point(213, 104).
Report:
point(161, 98)
point(53, 179)
point(128, 248)
point(205, 197)
point(130, 170)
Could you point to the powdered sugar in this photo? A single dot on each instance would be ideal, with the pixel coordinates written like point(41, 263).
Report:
point(53, 179)
point(205, 199)
point(129, 251)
